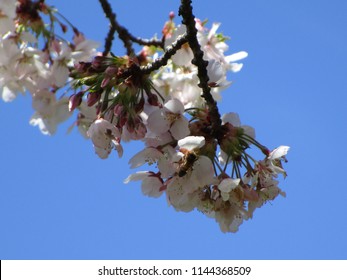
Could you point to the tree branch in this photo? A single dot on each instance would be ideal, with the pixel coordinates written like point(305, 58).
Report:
point(112, 18)
point(123, 33)
point(169, 52)
point(146, 42)
point(188, 19)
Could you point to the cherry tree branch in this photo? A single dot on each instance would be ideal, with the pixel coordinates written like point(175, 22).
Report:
point(123, 34)
point(188, 19)
point(169, 52)
point(115, 27)
point(112, 18)
point(146, 42)
point(135, 69)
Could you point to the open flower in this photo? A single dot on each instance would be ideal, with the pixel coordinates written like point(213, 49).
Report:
point(226, 186)
point(169, 118)
point(151, 185)
point(50, 112)
point(184, 55)
point(105, 136)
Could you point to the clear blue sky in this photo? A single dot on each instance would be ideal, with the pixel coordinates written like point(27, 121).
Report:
point(58, 200)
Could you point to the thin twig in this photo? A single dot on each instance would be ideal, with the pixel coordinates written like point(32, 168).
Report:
point(134, 69)
point(112, 18)
point(146, 42)
point(169, 52)
point(123, 33)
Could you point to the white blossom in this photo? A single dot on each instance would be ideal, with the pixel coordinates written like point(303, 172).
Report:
point(104, 136)
point(151, 185)
point(169, 118)
point(226, 186)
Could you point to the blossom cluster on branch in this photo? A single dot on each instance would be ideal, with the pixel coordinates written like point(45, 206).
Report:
point(165, 95)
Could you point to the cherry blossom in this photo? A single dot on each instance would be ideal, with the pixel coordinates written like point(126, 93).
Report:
point(8, 8)
point(169, 118)
point(196, 158)
point(151, 183)
point(105, 136)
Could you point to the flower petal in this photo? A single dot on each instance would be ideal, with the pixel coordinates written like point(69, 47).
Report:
point(191, 142)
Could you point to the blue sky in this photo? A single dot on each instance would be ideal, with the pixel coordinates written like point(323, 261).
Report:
point(58, 200)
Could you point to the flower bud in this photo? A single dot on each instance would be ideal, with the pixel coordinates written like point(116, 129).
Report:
point(139, 106)
point(111, 71)
point(130, 125)
point(82, 67)
point(121, 115)
point(117, 110)
point(105, 81)
point(99, 63)
point(93, 98)
point(63, 27)
point(75, 100)
point(152, 99)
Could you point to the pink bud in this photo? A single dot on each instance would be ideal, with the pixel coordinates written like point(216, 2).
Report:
point(63, 27)
point(93, 98)
point(121, 114)
point(139, 106)
point(111, 70)
point(75, 100)
point(117, 110)
point(153, 99)
point(98, 63)
point(82, 67)
point(130, 125)
point(265, 150)
point(172, 15)
point(105, 81)
point(123, 118)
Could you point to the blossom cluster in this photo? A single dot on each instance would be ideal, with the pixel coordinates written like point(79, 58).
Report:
point(196, 165)
point(34, 59)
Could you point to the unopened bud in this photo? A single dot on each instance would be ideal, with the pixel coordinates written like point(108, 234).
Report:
point(152, 99)
point(105, 81)
point(63, 27)
point(130, 125)
point(121, 115)
point(171, 15)
point(111, 71)
point(75, 100)
point(110, 74)
point(265, 150)
point(117, 110)
point(98, 63)
point(93, 98)
point(139, 106)
point(82, 67)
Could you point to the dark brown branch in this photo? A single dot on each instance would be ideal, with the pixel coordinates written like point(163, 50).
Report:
point(188, 19)
point(162, 61)
point(123, 34)
point(169, 52)
point(146, 42)
point(112, 18)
